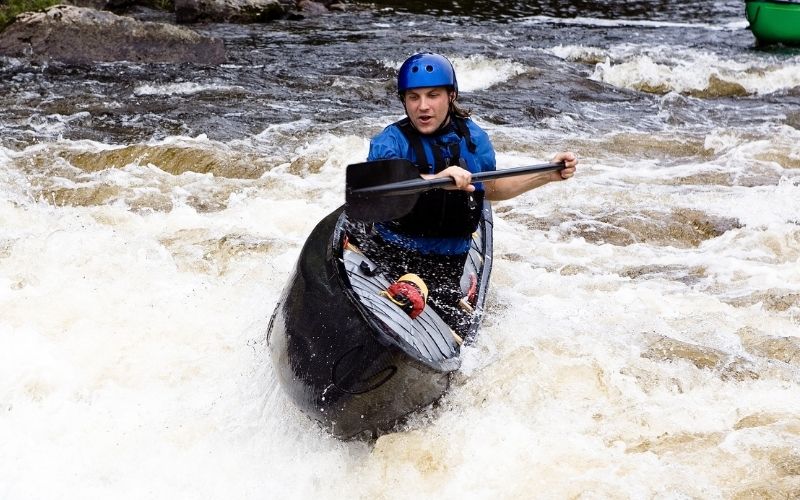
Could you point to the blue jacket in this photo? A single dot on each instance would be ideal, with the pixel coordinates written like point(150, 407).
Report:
point(391, 143)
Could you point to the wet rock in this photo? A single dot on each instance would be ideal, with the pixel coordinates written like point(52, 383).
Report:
point(786, 462)
point(729, 367)
point(574, 269)
point(786, 158)
point(784, 349)
point(231, 11)
point(174, 160)
point(763, 419)
point(666, 349)
point(793, 118)
point(717, 87)
point(681, 228)
point(99, 4)
point(312, 8)
point(686, 275)
point(540, 113)
point(658, 147)
point(80, 35)
point(773, 299)
point(682, 442)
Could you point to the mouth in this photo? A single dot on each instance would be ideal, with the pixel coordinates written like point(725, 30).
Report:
point(425, 119)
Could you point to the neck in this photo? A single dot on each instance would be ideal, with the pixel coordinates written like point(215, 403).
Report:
point(444, 125)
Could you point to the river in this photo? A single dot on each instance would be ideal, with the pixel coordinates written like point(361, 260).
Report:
point(642, 336)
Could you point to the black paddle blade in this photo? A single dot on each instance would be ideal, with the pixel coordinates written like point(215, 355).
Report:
point(378, 207)
point(378, 191)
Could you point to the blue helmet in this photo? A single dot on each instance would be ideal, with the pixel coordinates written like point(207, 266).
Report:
point(426, 70)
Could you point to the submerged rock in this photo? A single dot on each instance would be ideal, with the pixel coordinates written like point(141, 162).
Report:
point(230, 11)
point(81, 35)
point(250, 11)
point(310, 7)
point(112, 5)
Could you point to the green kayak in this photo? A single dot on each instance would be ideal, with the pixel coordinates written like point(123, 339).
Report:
point(774, 21)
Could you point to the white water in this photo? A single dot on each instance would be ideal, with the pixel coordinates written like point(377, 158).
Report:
point(186, 88)
point(668, 68)
point(132, 343)
point(477, 72)
point(616, 23)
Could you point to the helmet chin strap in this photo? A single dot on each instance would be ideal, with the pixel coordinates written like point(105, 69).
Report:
point(444, 123)
point(446, 120)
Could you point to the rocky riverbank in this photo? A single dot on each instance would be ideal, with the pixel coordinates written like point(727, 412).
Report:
point(89, 31)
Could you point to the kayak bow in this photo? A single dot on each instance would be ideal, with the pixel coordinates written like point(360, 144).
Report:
point(347, 355)
point(774, 21)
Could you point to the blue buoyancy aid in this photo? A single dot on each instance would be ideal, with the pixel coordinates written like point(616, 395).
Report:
point(443, 220)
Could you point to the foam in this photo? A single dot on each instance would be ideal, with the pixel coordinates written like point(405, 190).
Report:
point(478, 72)
point(185, 88)
point(663, 69)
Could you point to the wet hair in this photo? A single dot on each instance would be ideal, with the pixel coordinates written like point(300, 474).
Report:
point(455, 107)
point(458, 111)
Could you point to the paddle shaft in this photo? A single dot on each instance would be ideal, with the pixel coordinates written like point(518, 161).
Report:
point(420, 185)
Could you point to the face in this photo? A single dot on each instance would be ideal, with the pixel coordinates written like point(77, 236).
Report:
point(428, 107)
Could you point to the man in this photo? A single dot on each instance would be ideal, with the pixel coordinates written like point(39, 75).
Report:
point(438, 136)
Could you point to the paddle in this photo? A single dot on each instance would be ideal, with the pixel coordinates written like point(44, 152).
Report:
point(384, 190)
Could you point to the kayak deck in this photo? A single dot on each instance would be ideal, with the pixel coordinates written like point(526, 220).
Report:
point(427, 335)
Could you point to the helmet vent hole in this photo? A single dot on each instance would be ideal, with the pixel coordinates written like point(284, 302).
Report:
point(429, 68)
point(415, 69)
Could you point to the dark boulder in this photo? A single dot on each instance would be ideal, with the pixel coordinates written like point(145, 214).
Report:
point(112, 5)
point(311, 7)
point(231, 11)
point(81, 35)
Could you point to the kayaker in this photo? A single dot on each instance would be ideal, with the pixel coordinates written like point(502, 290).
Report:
point(439, 137)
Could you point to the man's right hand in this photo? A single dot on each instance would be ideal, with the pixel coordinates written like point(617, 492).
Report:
point(461, 177)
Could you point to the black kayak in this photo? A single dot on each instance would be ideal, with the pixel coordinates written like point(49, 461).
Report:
point(348, 356)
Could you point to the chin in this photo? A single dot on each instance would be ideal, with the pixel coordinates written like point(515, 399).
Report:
point(425, 129)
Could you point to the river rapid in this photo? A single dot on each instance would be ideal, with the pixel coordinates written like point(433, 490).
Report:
point(642, 334)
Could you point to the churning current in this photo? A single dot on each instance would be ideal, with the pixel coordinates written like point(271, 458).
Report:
point(642, 337)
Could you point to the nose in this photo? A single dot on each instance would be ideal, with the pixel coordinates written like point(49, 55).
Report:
point(424, 102)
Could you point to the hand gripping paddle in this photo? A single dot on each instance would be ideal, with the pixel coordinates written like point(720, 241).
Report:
point(382, 190)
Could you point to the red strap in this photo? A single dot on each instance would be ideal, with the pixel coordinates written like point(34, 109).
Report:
point(407, 296)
